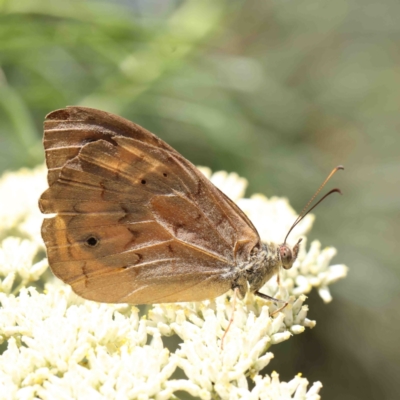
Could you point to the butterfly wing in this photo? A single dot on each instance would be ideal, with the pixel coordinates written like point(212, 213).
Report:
point(135, 221)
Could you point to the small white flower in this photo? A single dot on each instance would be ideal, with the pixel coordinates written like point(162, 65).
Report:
point(17, 267)
point(273, 218)
point(231, 184)
point(19, 194)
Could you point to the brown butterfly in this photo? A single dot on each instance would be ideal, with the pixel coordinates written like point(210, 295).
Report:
point(138, 223)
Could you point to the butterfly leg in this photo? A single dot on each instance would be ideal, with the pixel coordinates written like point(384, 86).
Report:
point(266, 297)
point(235, 293)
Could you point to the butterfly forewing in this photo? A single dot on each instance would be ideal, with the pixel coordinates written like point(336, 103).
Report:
point(136, 222)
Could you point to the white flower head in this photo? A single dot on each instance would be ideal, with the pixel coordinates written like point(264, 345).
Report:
point(59, 345)
point(19, 194)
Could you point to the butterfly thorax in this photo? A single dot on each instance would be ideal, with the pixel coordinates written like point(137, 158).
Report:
point(263, 264)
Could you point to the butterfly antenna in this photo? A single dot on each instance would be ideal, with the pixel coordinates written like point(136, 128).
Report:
point(304, 211)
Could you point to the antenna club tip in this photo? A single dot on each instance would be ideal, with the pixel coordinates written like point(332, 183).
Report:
point(336, 190)
point(340, 167)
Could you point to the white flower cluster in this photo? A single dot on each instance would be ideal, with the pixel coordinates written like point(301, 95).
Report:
point(55, 345)
point(19, 211)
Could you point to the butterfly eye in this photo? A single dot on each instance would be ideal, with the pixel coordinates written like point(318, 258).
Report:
point(91, 241)
point(143, 181)
point(286, 256)
point(165, 175)
point(285, 252)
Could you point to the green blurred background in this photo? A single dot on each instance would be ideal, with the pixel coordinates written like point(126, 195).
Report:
point(278, 91)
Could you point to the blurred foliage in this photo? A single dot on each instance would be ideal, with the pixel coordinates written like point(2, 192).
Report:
point(278, 91)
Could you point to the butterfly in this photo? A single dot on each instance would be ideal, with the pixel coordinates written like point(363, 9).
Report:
point(137, 223)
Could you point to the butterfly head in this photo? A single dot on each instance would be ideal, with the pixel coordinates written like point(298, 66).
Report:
point(287, 255)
